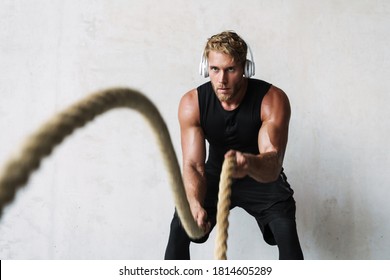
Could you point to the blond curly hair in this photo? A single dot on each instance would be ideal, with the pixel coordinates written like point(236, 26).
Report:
point(227, 42)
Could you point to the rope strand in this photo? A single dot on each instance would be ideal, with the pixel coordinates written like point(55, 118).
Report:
point(223, 208)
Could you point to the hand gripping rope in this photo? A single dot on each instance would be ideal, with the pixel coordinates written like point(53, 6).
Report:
point(39, 145)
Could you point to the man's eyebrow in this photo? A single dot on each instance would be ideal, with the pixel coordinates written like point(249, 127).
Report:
point(227, 67)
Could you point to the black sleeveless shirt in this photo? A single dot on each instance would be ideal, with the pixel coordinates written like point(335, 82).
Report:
point(237, 129)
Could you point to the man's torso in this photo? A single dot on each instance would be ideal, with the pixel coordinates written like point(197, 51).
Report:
point(237, 129)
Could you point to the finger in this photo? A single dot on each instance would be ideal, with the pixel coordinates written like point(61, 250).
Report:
point(208, 227)
point(201, 220)
point(239, 156)
point(230, 153)
point(204, 223)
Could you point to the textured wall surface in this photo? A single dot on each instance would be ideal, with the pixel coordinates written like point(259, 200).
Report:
point(104, 192)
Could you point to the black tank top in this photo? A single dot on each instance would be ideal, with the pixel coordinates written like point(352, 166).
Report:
point(237, 129)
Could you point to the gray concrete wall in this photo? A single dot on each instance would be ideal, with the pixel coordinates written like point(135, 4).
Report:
point(104, 193)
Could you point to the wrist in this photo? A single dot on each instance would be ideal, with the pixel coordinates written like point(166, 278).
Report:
point(194, 203)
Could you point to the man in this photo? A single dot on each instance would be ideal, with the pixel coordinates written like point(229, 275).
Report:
point(245, 118)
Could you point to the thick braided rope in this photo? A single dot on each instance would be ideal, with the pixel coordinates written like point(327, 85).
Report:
point(223, 208)
point(39, 145)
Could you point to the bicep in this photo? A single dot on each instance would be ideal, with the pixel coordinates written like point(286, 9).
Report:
point(272, 137)
point(192, 137)
point(193, 146)
point(273, 134)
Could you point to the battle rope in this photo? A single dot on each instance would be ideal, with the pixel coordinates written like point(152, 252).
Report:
point(39, 145)
point(223, 208)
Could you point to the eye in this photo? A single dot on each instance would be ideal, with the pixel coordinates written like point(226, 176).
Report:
point(231, 69)
point(214, 69)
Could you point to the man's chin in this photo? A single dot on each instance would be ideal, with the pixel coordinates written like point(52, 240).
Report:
point(225, 96)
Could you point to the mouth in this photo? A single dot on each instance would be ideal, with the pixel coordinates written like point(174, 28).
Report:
point(223, 90)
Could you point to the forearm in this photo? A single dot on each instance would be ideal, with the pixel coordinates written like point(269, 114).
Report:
point(195, 184)
point(264, 167)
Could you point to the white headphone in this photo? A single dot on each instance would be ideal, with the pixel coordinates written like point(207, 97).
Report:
point(249, 68)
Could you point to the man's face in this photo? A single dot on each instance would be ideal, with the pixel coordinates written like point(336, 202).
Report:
point(226, 75)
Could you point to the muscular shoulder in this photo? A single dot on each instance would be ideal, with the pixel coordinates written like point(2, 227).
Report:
point(189, 108)
point(275, 105)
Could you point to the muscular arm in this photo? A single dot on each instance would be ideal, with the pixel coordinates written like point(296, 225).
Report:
point(194, 153)
point(272, 140)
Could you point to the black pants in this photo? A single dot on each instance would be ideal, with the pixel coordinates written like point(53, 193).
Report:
point(271, 204)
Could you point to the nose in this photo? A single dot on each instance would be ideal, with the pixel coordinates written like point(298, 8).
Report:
point(222, 77)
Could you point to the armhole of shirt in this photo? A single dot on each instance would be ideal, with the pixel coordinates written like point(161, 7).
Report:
point(259, 88)
point(202, 95)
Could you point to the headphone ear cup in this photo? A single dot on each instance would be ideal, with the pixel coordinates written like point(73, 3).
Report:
point(203, 67)
point(249, 69)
